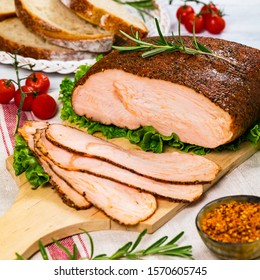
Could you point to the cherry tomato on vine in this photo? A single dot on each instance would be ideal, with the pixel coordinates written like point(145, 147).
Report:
point(7, 91)
point(39, 81)
point(44, 106)
point(215, 24)
point(196, 20)
point(208, 10)
point(30, 95)
point(183, 11)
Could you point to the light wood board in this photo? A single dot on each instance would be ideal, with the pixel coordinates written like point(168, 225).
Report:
point(41, 215)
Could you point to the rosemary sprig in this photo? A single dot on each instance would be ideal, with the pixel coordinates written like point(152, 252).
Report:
point(162, 45)
point(160, 247)
point(142, 6)
point(128, 250)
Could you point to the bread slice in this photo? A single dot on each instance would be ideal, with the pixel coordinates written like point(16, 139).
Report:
point(7, 9)
point(109, 15)
point(15, 37)
point(56, 23)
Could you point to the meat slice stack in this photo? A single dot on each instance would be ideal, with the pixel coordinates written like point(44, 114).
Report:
point(68, 195)
point(122, 183)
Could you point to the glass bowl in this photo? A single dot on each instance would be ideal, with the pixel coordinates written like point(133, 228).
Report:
point(228, 250)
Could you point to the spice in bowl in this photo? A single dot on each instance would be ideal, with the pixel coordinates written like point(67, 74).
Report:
point(230, 227)
point(235, 221)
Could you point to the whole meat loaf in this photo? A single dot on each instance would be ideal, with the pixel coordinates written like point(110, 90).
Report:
point(205, 100)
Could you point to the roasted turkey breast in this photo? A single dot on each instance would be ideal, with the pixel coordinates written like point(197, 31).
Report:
point(205, 100)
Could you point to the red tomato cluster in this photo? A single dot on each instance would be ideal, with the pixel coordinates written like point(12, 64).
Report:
point(36, 98)
point(209, 18)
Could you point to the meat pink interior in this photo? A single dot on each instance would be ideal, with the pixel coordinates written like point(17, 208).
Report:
point(116, 97)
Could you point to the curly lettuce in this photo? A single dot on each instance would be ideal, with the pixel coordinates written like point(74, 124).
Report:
point(146, 137)
point(24, 161)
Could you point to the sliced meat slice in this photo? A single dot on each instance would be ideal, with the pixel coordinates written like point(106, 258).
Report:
point(167, 167)
point(121, 203)
point(69, 196)
point(71, 161)
point(29, 129)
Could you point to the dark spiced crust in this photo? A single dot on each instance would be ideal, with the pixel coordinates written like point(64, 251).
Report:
point(66, 199)
point(234, 87)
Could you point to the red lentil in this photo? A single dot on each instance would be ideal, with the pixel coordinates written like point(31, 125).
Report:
point(233, 222)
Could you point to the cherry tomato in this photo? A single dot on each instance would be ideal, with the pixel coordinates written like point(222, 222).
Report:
point(39, 81)
point(7, 91)
point(215, 24)
point(197, 21)
point(183, 12)
point(30, 95)
point(208, 10)
point(44, 106)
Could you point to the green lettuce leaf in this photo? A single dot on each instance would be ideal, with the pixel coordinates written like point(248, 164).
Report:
point(146, 137)
point(24, 161)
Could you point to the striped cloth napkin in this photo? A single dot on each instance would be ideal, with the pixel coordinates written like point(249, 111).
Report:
point(9, 191)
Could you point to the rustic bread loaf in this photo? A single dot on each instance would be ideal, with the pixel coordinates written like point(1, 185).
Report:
point(7, 9)
point(108, 14)
point(56, 23)
point(14, 36)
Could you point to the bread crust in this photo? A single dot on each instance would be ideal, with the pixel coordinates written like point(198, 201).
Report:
point(7, 15)
point(99, 16)
point(58, 36)
point(26, 50)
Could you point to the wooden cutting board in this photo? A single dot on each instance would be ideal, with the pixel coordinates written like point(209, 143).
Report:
point(41, 215)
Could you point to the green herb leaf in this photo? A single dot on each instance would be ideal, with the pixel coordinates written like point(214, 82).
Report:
point(24, 161)
point(138, 240)
point(153, 52)
point(121, 252)
point(155, 245)
point(176, 238)
point(43, 251)
point(19, 257)
point(101, 257)
point(65, 249)
point(163, 41)
point(254, 135)
point(81, 71)
point(185, 252)
point(91, 243)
